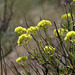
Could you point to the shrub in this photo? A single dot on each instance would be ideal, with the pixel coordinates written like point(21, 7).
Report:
point(51, 58)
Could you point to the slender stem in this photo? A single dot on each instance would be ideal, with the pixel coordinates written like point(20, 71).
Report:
point(10, 69)
point(61, 43)
point(30, 46)
point(33, 68)
point(5, 70)
point(67, 17)
point(38, 46)
point(25, 70)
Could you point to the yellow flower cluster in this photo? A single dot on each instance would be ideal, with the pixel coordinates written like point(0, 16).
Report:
point(29, 31)
point(32, 30)
point(21, 59)
point(20, 30)
point(73, 0)
point(24, 37)
point(42, 23)
point(64, 17)
point(69, 34)
point(60, 31)
point(49, 49)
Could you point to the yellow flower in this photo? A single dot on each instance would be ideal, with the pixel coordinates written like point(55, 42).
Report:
point(60, 31)
point(32, 30)
point(49, 49)
point(64, 17)
point(23, 37)
point(20, 30)
point(18, 60)
point(42, 23)
point(21, 59)
point(69, 34)
point(73, 0)
point(24, 58)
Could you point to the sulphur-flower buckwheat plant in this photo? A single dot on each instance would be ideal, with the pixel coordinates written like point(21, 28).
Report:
point(49, 49)
point(23, 39)
point(20, 30)
point(42, 23)
point(69, 35)
point(32, 30)
point(65, 16)
point(52, 55)
point(73, 0)
point(21, 59)
point(60, 31)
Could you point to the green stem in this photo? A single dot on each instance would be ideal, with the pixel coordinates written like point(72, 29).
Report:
point(25, 70)
point(30, 46)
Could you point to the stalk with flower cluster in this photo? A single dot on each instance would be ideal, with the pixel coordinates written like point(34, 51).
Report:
point(52, 58)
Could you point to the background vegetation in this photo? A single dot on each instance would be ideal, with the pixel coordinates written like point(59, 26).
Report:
point(33, 11)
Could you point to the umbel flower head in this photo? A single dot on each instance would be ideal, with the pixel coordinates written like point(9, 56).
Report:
point(60, 31)
point(32, 30)
point(73, 0)
point(64, 17)
point(69, 35)
point(21, 59)
point(42, 23)
point(20, 30)
point(25, 38)
point(49, 49)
